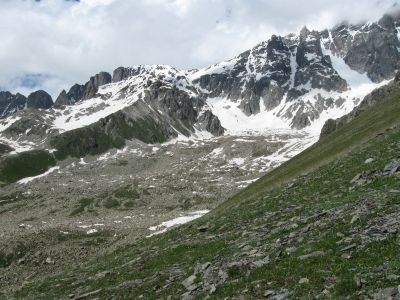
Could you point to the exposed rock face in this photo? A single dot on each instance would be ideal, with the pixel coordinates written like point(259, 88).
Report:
point(10, 104)
point(39, 100)
point(315, 70)
point(30, 123)
point(281, 68)
point(209, 122)
point(82, 92)
point(371, 48)
point(94, 83)
point(122, 73)
point(62, 99)
point(173, 101)
point(183, 110)
point(76, 92)
point(260, 73)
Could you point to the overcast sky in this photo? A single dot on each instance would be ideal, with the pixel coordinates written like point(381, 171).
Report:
point(52, 44)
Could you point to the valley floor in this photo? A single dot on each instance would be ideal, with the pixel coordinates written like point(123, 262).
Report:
point(82, 209)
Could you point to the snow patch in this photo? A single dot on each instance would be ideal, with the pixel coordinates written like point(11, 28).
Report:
point(236, 122)
point(29, 179)
point(91, 231)
point(164, 226)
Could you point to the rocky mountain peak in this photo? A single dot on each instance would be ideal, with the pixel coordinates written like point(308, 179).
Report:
point(94, 83)
point(387, 22)
point(83, 92)
point(39, 100)
point(123, 73)
point(304, 33)
point(10, 104)
point(292, 82)
point(371, 48)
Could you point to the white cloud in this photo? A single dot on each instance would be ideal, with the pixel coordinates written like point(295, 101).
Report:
point(70, 41)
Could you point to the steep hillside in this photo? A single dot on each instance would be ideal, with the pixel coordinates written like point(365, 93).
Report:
point(377, 95)
point(323, 224)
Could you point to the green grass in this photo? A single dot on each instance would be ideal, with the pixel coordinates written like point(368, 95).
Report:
point(110, 203)
point(25, 164)
point(106, 134)
point(6, 258)
point(128, 192)
point(4, 149)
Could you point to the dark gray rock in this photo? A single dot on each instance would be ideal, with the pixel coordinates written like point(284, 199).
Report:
point(182, 109)
point(392, 167)
point(315, 70)
point(80, 92)
point(94, 83)
point(39, 100)
point(209, 122)
point(312, 255)
point(76, 93)
point(370, 48)
point(122, 73)
point(10, 104)
point(62, 100)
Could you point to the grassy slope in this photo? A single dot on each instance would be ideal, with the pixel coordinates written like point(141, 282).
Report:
point(4, 149)
point(25, 164)
point(317, 211)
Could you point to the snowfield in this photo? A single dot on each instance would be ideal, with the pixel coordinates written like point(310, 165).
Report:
point(164, 226)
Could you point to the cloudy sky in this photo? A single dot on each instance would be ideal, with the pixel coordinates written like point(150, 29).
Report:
point(52, 44)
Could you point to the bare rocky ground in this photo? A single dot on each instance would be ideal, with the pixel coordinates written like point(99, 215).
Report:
point(87, 207)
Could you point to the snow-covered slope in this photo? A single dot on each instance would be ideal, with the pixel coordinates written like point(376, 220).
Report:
point(293, 83)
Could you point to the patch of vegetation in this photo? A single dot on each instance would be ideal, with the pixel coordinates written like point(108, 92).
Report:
point(5, 149)
point(110, 132)
point(25, 164)
point(12, 197)
point(7, 258)
point(121, 162)
point(82, 204)
point(29, 219)
point(129, 204)
point(110, 203)
point(128, 192)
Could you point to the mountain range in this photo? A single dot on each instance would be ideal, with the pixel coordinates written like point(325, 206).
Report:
point(293, 82)
point(283, 161)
